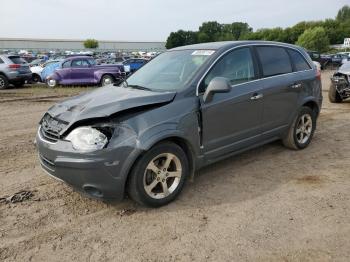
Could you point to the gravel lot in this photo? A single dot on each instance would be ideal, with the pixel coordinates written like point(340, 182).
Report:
point(268, 204)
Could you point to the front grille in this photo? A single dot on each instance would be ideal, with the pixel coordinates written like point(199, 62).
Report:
point(48, 135)
point(50, 128)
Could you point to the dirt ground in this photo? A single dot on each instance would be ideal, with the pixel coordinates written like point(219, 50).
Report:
point(268, 204)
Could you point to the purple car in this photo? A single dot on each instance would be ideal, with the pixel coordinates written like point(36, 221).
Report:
point(82, 70)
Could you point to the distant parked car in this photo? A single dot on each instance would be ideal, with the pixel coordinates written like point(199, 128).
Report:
point(337, 59)
point(37, 70)
point(36, 62)
point(317, 64)
point(13, 70)
point(340, 85)
point(82, 70)
point(135, 63)
point(321, 59)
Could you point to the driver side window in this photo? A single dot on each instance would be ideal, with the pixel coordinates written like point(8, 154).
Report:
point(237, 66)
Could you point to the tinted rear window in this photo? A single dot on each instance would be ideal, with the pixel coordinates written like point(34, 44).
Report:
point(299, 61)
point(17, 60)
point(274, 60)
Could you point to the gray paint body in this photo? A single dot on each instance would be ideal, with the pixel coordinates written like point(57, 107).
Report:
point(230, 123)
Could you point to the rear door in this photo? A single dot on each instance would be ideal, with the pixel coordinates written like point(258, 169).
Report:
point(280, 90)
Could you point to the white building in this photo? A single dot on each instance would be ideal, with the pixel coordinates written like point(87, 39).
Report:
point(67, 44)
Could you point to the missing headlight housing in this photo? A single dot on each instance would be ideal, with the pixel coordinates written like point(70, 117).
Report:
point(87, 139)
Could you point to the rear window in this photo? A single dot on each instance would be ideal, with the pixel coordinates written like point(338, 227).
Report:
point(299, 61)
point(1, 61)
point(274, 60)
point(17, 60)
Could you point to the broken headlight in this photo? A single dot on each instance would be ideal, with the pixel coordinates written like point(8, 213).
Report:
point(87, 139)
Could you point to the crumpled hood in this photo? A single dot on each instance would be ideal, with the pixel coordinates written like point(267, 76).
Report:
point(105, 101)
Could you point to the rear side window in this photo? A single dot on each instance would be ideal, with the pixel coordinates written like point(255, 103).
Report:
point(299, 61)
point(17, 60)
point(274, 60)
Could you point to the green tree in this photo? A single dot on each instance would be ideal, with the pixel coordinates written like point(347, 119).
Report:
point(343, 14)
point(181, 38)
point(236, 30)
point(210, 31)
point(314, 39)
point(91, 43)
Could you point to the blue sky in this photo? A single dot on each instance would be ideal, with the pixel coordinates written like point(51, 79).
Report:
point(149, 20)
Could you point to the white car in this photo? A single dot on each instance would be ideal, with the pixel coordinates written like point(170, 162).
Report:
point(317, 64)
point(36, 71)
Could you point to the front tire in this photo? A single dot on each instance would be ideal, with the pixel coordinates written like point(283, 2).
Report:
point(158, 177)
point(51, 83)
point(301, 131)
point(333, 95)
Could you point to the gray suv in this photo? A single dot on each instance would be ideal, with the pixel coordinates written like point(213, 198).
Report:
point(13, 70)
point(187, 108)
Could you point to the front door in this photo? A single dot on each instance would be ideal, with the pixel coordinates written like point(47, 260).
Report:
point(65, 72)
point(232, 120)
point(81, 72)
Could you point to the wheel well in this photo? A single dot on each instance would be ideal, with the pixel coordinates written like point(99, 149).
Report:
point(181, 143)
point(1, 73)
point(107, 74)
point(186, 148)
point(313, 105)
point(35, 74)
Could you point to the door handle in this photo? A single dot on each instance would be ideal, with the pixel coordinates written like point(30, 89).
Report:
point(256, 97)
point(295, 86)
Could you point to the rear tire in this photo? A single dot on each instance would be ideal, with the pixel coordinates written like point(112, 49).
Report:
point(301, 131)
point(159, 175)
point(4, 83)
point(333, 95)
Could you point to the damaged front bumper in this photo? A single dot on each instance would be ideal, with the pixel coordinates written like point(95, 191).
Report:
point(100, 174)
point(341, 84)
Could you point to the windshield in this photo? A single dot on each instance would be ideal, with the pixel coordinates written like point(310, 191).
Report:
point(169, 71)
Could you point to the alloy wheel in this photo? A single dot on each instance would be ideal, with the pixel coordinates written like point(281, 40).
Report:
point(51, 83)
point(107, 81)
point(162, 176)
point(304, 128)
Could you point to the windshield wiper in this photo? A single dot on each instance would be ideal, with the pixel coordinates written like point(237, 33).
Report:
point(140, 87)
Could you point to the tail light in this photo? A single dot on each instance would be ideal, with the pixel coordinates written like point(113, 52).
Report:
point(14, 66)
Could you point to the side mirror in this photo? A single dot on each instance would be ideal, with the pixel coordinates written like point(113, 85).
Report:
point(216, 85)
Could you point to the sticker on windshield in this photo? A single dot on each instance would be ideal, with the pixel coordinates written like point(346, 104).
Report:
point(203, 52)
